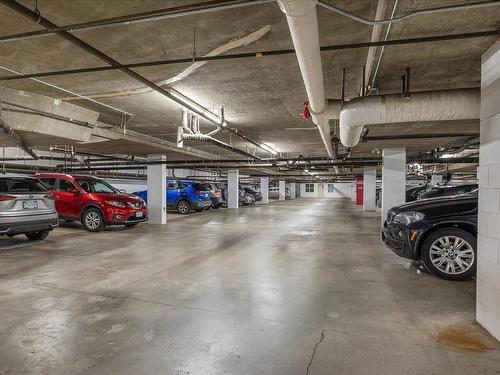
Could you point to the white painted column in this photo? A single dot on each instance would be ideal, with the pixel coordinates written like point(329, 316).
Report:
point(393, 179)
point(369, 188)
point(157, 190)
point(291, 187)
point(488, 260)
point(233, 182)
point(264, 189)
point(281, 190)
point(435, 178)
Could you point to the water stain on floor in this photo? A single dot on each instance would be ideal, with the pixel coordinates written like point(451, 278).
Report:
point(463, 338)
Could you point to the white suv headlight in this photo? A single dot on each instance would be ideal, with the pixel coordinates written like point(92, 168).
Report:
point(116, 204)
point(408, 217)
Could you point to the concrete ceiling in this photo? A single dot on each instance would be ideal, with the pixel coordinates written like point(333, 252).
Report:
point(263, 97)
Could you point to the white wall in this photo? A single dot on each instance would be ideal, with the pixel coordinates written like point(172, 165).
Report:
point(303, 193)
point(488, 266)
point(341, 190)
point(130, 186)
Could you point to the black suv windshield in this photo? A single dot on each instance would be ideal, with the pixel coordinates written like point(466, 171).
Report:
point(92, 185)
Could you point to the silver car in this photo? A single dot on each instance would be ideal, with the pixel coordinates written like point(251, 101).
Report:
point(26, 208)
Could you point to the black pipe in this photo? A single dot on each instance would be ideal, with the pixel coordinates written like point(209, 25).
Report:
point(335, 47)
point(208, 5)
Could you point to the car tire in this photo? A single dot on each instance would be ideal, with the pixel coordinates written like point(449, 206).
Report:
point(183, 207)
point(450, 253)
point(37, 236)
point(93, 220)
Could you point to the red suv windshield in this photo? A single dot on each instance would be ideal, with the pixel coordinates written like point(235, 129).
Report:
point(92, 185)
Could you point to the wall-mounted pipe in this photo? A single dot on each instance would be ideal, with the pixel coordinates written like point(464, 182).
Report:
point(422, 106)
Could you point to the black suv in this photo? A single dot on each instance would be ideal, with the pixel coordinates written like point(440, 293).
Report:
point(447, 191)
point(442, 232)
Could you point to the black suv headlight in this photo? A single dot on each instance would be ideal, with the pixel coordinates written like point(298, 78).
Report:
point(408, 217)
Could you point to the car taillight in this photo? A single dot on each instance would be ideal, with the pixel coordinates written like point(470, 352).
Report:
point(6, 197)
point(197, 193)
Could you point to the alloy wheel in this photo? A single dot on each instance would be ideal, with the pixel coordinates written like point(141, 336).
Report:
point(452, 255)
point(92, 220)
point(183, 207)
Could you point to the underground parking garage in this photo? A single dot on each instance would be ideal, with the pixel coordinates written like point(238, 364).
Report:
point(249, 187)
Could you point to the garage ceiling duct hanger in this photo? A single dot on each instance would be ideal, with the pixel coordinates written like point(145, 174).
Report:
point(168, 92)
point(353, 115)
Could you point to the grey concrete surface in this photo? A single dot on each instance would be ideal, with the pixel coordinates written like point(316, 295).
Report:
point(245, 291)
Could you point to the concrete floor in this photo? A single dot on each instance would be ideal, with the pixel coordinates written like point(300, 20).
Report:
point(234, 292)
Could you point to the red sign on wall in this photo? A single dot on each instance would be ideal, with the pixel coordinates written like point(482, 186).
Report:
point(359, 191)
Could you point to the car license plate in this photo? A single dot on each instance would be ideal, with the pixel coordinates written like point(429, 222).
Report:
point(30, 205)
point(139, 214)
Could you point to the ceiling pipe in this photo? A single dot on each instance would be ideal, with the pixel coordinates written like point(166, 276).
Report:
point(168, 92)
point(255, 54)
point(446, 105)
point(302, 21)
point(149, 16)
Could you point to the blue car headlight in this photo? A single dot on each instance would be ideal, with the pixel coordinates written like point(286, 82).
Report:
point(408, 217)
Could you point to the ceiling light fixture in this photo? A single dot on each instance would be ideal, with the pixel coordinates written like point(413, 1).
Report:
point(268, 149)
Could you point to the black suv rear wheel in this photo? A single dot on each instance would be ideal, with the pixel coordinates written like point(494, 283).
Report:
point(450, 253)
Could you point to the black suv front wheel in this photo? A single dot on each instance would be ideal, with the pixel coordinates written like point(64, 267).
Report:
point(450, 253)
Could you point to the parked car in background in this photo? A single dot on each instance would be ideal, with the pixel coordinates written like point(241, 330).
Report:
point(184, 196)
point(256, 194)
point(274, 192)
point(441, 232)
point(413, 192)
point(26, 207)
point(93, 201)
point(448, 190)
point(215, 195)
point(248, 199)
point(223, 193)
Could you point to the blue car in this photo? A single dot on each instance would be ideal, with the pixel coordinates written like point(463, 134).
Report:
point(184, 196)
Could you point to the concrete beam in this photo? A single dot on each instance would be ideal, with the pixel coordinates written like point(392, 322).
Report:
point(281, 190)
point(488, 251)
point(393, 179)
point(369, 188)
point(264, 189)
point(233, 182)
point(157, 190)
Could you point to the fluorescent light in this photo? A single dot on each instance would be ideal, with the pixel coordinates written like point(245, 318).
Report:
point(268, 149)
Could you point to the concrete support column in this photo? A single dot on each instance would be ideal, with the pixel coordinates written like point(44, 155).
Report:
point(435, 178)
point(393, 179)
point(488, 253)
point(233, 182)
point(281, 190)
point(157, 190)
point(369, 188)
point(264, 189)
point(292, 190)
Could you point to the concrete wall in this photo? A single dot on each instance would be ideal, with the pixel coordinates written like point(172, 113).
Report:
point(341, 190)
point(303, 193)
point(488, 267)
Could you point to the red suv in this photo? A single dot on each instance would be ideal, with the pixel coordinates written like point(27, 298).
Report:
point(92, 201)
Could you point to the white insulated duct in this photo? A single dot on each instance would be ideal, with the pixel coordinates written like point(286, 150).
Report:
point(303, 24)
point(462, 104)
